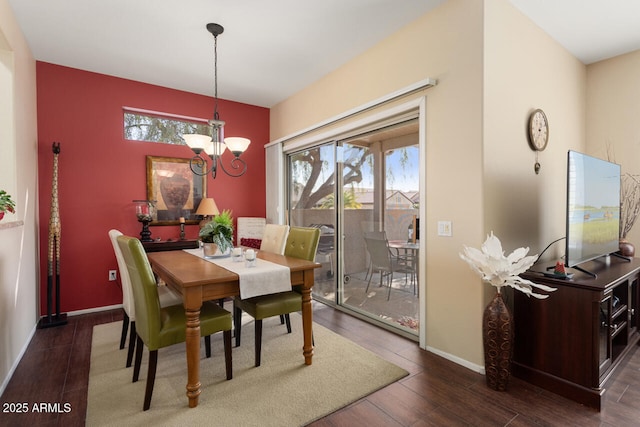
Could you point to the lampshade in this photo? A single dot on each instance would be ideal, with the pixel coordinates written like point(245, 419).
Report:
point(237, 144)
point(207, 207)
point(196, 141)
point(215, 148)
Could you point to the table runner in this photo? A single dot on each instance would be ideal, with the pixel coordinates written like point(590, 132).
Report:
point(265, 278)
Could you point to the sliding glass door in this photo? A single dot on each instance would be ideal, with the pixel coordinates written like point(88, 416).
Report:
point(362, 192)
point(311, 190)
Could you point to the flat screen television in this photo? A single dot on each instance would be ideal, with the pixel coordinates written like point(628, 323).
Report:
point(593, 208)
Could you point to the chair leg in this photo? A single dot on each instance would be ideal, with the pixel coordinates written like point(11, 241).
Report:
point(389, 281)
point(237, 323)
point(136, 366)
point(287, 319)
point(258, 341)
point(207, 346)
point(282, 319)
point(228, 361)
point(125, 329)
point(368, 283)
point(151, 378)
point(132, 343)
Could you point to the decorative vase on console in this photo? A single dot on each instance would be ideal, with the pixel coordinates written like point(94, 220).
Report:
point(497, 324)
point(627, 248)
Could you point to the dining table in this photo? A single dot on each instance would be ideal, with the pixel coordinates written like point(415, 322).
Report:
point(408, 251)
point(407, 248)
point(199, 280)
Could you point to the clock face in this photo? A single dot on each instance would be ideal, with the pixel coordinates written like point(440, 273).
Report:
point(538, 130)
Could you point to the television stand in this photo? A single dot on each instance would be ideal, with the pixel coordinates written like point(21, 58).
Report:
point(585, 271)
point(626, 258)
point(576, 268)
point(607, 262)
point(572, 342)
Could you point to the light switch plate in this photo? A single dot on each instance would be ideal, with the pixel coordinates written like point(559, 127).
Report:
point(444, 228)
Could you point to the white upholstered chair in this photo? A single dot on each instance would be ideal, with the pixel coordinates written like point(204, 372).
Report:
point(166, 295)
point(274, 238)
point(249, 231)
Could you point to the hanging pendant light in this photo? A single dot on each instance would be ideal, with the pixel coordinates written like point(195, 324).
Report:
point(215, 144)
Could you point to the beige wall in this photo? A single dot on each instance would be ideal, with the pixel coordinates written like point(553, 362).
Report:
point(18, 251)
point(613, 114)
point(525, 69)
point(433, 46)
point(493, 67)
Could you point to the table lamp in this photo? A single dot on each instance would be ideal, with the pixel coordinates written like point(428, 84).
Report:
point(207, 208)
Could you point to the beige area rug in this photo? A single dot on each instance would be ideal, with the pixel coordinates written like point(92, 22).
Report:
point(283, 391)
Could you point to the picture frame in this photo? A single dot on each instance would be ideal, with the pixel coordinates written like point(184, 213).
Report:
point(176, 190)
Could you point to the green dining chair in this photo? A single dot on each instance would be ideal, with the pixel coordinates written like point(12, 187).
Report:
point(166, 295)
point(302, 242)
point(158, 327)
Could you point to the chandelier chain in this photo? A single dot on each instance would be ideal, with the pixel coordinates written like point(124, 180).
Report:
point(215, 77)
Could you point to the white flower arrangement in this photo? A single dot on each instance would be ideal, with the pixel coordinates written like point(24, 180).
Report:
point(499, 271)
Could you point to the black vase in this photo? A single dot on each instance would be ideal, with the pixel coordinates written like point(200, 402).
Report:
point(497, 337)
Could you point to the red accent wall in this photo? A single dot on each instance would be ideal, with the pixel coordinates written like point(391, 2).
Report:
point(101, 173)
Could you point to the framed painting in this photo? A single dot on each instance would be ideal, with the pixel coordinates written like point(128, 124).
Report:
point(176, 190)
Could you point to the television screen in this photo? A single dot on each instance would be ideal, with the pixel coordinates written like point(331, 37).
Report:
point(593, 208)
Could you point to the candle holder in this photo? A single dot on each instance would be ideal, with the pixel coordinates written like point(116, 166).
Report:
point(250, 258)
point(236, 254)
point(145, 212)
point(182, 236)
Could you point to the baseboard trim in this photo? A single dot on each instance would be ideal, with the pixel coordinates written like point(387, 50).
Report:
point(16, 362)
point(94, 310)
point(455, 359)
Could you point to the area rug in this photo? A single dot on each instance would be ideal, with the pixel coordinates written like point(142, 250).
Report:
point(283, 391)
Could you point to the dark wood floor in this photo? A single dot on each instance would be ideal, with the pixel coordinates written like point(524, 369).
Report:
point(437, 392)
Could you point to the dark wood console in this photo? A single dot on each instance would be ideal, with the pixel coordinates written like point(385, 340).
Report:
point(572, 342)
point(169, 245)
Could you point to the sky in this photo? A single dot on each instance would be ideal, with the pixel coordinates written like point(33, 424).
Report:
point(404, 177)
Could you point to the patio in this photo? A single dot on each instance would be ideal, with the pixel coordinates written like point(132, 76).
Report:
point(400, 310)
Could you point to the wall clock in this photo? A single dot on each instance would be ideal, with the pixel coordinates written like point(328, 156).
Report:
point(538, 134)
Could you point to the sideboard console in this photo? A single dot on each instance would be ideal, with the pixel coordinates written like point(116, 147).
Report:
point(169, 245)
point(572, 342)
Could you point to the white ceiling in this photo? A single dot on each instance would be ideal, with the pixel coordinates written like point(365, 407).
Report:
point(272, 49)
point(592, 30)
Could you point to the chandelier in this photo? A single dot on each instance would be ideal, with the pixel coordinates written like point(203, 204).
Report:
point(215, 144)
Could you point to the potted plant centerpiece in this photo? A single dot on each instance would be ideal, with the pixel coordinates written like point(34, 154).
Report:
point(217, 235)
point(6, 203)
point(497, 324)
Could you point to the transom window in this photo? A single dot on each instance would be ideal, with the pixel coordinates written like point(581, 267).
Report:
point(164, 128)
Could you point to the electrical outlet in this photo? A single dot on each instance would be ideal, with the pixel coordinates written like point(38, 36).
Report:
point(113, 275)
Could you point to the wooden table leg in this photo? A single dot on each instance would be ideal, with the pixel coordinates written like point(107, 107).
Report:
point(307, 317)
point(193, 347)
